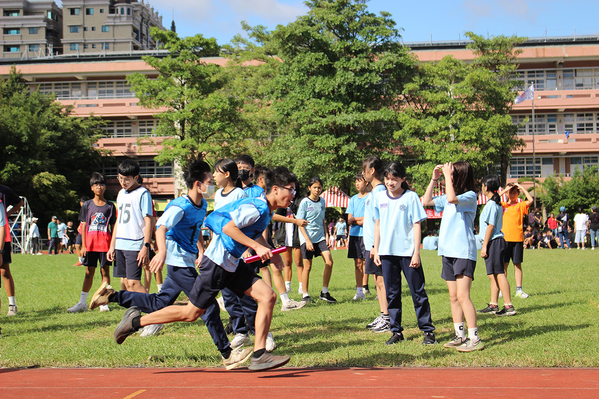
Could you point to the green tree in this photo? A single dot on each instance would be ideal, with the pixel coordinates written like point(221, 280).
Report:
point(580, 191)
point(46, 155)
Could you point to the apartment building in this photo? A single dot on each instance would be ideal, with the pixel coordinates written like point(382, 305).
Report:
point(30, 29)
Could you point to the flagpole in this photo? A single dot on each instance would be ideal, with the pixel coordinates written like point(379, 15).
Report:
point(534, 157)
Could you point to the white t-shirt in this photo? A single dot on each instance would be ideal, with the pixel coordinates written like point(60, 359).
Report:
point(581, 220)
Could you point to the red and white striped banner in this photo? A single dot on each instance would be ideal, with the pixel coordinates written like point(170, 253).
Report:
point(334, 197)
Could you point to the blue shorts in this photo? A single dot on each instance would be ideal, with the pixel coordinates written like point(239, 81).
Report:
point(93, 258)
point(370, 267)
point(355, 248)
point(319, 248)
point(496, 255)
point(125, 265)
point(514, 251)
point(453, 267)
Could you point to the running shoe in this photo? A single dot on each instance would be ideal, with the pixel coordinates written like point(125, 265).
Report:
point(293, 305)
point(237, 358)
point(268, 361)
point(270, 342)
point(383, 326)
point(374, 322)
point(429, 339)
point(395, 338)
point(522, 294)
point(327, 297)
point(101, 295)
point(12, 310)
point(455, 342)
point(359, 296)
point(241, 340)
point(125, 327)
point(79, 307)
point(151, 329)
point(506, 311)
point(489, 309)
point(471, 345)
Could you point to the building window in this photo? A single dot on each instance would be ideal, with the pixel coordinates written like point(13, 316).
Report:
point(33, 47)
point(93, 28)
point(89, 11)
point(51, 15)
point(105, 46)
point(12, 13)
point(33, 31)
point(74, 11)
point(128, 11)
point(122, 11)
point(105, 28)
point(147, 127)
point(12, 49)
point(74, 46)
point(74, 29)
point(12, 31)
point(101, 11)
point(85, 28)
point(523, 167)
point(93, 46)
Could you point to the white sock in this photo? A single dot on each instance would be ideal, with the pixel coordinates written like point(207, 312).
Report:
point(83, 298)
point(159, 286)
point(301, 287)
point(288, 285)
point(473, 334)
point(325, 290)
point(360, 291)
point(11, 301)
point(459, 330)
point(305, 294)
point(284, 298)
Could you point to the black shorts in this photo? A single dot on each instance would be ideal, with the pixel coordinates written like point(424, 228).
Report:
point(355, 248)
point(92, 258)
point(514, 251)
point(339, 238)
point(6, 258)
point(125, 265)
point(370, 267)
point(496, 255)
point(453, 267)
point(213, 279)
point(319, 248)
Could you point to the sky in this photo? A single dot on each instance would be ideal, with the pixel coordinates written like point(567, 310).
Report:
point(421, 21)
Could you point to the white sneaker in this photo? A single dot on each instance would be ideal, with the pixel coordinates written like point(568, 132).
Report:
point(300, 291)
point(79, 307)
point(270, 343)
point(522, 294)
point(237, 358)
point(12, 310)
point(500, 294)
point(293, 305)
point(359, 296)
point(221, 304)
point(104, 308)
point(151, 329)
point(241, 340)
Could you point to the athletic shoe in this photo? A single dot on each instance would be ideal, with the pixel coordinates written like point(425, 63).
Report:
point(429, 339)
point(125, 327)
point(221, 304)
point(12, 310)
point(359, 296)
point(79, 307)
point(307, 299)
point(471, 345)
point(489, 309)
point(104, 308)
point(375, 322)
point(327, 297)
point(237, 358)
point(522, 294)
point(78, 264)
point(506, 311)
point(395, 338)
point(241, 340)
point(270, 342)
point(101, 295)
point(455, 342)
point(383, 326)
point(293, 305)
point(151, 329)
point(366, 291)
point(268, 361)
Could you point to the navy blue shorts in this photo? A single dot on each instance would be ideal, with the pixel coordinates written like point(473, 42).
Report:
point(213, 279)
point(496, 255)
point(92, 258)
point(125, 265)
point(6, 258)
point(370, 267)
point(514, 251)
point(453, 267)
point(355, 248)
point(319, 248)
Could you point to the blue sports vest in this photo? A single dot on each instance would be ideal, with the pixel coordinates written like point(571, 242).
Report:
point(187, 232)
point(219, 218)
point(254, 191)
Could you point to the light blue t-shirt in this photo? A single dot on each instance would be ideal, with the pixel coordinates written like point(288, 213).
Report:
point(456, 235)
point(368, 223)
point(254, 191)
point(2, 211)
point(340, 228)
point(313, 212)
point(221, 199)
point(356, 208)
point(397, 217)
point(146, 209)
point(492, 214)
point(430, 243)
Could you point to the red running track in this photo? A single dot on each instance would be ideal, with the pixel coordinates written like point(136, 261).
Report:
point(291, 383)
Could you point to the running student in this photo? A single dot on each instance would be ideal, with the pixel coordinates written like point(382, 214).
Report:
point(236, 227)
point(397, 232)
point(313, 239)
point(513, 215)
point(97, 217)
point(9, 198)
point(181, 248)
point(355, 219)
point(493, 249)
point(457, 247)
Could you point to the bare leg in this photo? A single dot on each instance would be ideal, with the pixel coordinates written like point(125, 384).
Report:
point(88, 280)
point(277, 278)
point(504, 285)
point(463, 284)
point(266, 299)
point(266, 275)
point(135, 286)
point(299, 263)
point(456, 310)
point(381, 293)
point(9, 282)
point(494, 287)
point(306, 275)
point(328, 268)
point(171, 314)
point(518, 274)
point(105, 274)
point(359, 271)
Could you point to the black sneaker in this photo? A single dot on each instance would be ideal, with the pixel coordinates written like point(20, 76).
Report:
point(489, 309)
point(327, 298)
point(395, 338)
point(307, 299)
point(506, 311)
point(429, 339)
point(125, 327)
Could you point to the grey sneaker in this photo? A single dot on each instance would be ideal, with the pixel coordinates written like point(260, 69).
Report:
point(506, 311)
point(268, 361)
point(101, 295)
point(383, 326)
point(455, 342)
point(375, 322)
point(293, 305)
point(125, 327)
point(79, 307)
point(471, 345)
point(151, 329)
point(241, 340)
point(489, 309)
point(12, 310)
point(237, 358)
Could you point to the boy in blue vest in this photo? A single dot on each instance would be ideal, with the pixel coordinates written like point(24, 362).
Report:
point(236, 227)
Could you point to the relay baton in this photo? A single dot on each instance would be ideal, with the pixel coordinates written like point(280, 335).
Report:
point(257, 258)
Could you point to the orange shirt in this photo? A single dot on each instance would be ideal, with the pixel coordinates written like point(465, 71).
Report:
point(513, 215)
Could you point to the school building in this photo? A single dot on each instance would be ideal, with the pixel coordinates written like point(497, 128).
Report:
point(565, 72)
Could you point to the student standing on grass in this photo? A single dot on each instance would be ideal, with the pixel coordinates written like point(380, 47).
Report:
point(457, 247)
point(355, 219)
point(513, 216)
point(340, 232)
point(562, 228)
point(53, 242)
point(237, 227)
point(78, 240)
point(132, 235)
point(493, 250)
point(97, 217)
point(3, 223)
point(372, 170)
point(397, 232)
point(581, 222)
point(594, 226)
point(10, 199)
point(181, 248)
point(314, 240)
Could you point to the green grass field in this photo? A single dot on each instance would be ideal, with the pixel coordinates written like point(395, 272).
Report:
point(556, 327)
